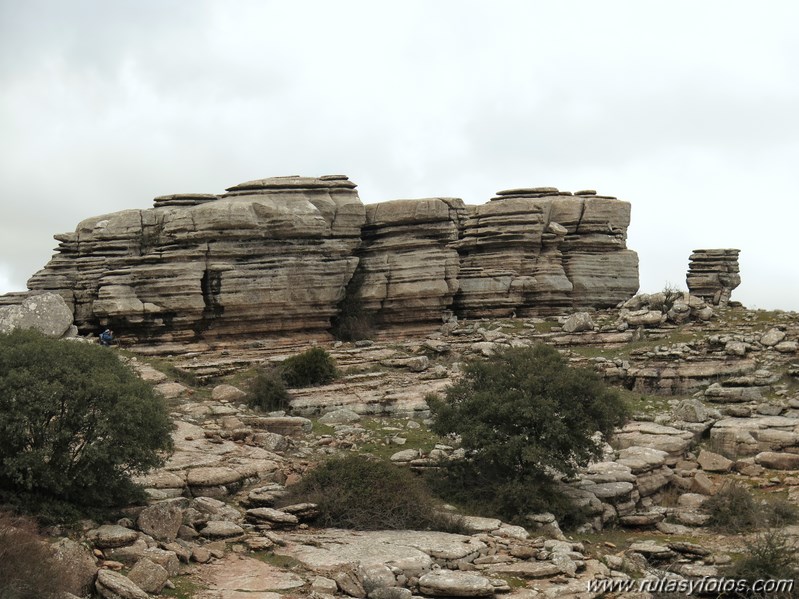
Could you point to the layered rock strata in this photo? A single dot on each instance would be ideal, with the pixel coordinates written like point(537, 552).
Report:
point(408, 269)
point(540, 250)
point(713, 274)
point(277, 256)
point(270, 256)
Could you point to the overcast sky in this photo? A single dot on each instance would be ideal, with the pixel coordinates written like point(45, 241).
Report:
point(689, 110)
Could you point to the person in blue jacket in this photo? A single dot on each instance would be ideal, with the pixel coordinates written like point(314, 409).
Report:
point(106, 337)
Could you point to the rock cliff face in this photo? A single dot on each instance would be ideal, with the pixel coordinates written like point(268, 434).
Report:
point(713, 274)
point(277, 257)
point(540, 250)
point(271, 256)
point(408, 270)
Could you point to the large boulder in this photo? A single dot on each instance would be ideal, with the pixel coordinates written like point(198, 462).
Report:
point(113, 585)
point(47, 313)
point(161, 520)
point(78, 564)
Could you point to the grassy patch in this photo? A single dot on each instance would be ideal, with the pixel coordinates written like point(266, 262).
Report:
point(643, 404)
point(381, 446)
point(515, 583)
point(544, 327)
point(320, 428)
point(185, 588)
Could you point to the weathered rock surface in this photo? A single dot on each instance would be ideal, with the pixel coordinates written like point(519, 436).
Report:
point(447, 583)
point(77, 563)
point(276, 257)
point(113, 585)
point(713, 274)
point(272, 256)
point(47, 313)
point(408, 269)
point(531, 251)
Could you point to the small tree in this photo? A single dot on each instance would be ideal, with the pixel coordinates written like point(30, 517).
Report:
point(522, 415)
point(75, 423)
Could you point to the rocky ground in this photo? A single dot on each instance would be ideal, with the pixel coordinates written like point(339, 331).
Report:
point(715, 398)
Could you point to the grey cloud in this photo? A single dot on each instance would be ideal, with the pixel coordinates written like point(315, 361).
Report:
point(686, 112)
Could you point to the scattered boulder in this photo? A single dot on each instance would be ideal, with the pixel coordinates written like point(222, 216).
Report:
point(161, 520)
point(148, 576)
point(47, 313)
point(778, 461)
point(227, 393)
point(713, 462)
point(578, 322)
point(112, 535)
point(448, 583)
point(113, 585)
point(78, 564)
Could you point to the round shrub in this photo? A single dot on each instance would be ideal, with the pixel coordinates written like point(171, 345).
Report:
point(522, 415)
point(358, 492)
point(733, 509)
point(267, 392)
point(75, 423)
point(309, 369)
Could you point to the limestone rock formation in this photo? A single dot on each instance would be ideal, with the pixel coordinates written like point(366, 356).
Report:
point(539, 250)
point(276, 257)
point(713, 274)
point(272, 256)
point(408, 262)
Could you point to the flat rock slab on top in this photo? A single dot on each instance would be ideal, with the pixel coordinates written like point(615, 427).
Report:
point(295, 182)
point(527, 190)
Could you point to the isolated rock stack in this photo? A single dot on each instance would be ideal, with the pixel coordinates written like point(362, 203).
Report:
point(408, 270)
point(540, 250)
point(271, 256)
point(713, 274)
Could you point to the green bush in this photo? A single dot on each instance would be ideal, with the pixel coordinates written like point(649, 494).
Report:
point(309, 369)
point(734, 509)
point(27, 567)
point(75, 423)
point(522, 415)
point(267, 392)
point(771, 556)
point(359, 492)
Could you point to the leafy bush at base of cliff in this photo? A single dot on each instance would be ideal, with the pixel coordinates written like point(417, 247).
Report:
point(309, 369)
point(75, 422)
point(521, 415)
point(358, 492)
point(267, 392)
point(27, 567)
